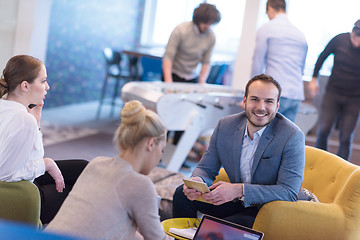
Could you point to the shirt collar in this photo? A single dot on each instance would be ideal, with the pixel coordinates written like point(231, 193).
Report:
point(258, 132)
point(280, 16)
point(13, 105)
point(195, 29)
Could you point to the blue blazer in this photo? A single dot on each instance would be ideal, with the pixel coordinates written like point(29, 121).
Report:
point(279, 160)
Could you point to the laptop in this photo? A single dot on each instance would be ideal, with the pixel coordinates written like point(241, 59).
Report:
point(218, 229)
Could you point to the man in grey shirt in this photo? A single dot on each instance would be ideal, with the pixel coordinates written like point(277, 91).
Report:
point(189, 44)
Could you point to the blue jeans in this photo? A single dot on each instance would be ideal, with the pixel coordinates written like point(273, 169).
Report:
point(289, 107)
point(344, 111)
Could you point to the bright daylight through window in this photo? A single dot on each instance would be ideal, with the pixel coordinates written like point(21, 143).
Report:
point(320, 21)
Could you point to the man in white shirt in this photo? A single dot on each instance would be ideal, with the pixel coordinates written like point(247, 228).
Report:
point(280, 52)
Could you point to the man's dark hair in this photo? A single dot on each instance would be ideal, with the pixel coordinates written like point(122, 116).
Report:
point(263, 78)
point(356, 28)
point(278, 5)
point(206, 13)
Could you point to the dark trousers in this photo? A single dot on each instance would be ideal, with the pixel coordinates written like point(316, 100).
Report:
point(176, 78)
point(231, 211)
point(341, 109)
point(51, 199)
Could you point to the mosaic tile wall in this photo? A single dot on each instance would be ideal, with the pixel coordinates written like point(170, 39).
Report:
point(78, 32)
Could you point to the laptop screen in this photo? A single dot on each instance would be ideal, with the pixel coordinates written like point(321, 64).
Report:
point(212, 228)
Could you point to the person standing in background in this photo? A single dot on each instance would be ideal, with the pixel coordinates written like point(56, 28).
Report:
point(189, 44)
point(280, 51)
point(341, 102)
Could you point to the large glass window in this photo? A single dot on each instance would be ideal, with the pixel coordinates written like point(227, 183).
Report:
point(320, 21)
point(162, 16)
point(168, 15)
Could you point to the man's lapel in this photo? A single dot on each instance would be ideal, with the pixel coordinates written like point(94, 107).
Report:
point(237, 148)
point(265, 139)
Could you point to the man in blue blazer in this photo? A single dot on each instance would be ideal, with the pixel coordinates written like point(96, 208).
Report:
point(262, 152)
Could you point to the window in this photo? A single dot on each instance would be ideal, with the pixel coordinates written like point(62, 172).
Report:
point(320, 21)
point(161, 17)
point(228, 31)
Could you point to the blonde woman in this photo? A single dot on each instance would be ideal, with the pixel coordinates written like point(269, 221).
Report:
point(113, 198)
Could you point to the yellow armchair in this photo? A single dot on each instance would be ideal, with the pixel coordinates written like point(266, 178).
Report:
point(336, 183)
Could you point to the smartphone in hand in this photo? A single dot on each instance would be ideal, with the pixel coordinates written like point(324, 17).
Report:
point(199, 186)
point(31, 105)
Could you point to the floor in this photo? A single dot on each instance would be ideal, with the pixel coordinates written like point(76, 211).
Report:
point(333, 144)
point(84, 115)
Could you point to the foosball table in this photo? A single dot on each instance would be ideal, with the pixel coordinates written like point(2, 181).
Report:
point(187, 107)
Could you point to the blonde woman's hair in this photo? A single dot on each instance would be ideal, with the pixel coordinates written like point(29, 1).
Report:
point(137, 123)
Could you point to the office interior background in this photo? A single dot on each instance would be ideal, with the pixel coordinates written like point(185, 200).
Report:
point(70, 35)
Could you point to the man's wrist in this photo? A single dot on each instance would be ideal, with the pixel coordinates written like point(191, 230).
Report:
point(241, 192)
point(199, 177)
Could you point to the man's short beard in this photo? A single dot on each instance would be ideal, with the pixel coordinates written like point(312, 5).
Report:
point(259, 126)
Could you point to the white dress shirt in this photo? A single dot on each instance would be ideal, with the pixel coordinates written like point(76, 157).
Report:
point(21, 146)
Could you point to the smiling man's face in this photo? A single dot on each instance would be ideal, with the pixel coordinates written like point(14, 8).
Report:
point(261, 104)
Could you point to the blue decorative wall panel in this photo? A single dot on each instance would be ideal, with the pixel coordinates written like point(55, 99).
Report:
point(78, 32)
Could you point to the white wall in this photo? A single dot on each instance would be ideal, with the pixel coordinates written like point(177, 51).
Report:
point(8, 21)
point(23, 28)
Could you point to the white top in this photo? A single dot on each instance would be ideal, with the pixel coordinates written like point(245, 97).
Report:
point(110, 201)
point(21, 146)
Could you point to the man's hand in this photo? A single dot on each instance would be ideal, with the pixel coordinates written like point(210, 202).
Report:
point(54, 171)
point(204, 73)
point(313, 87)
point(138, 236)
point(222, 192)
point(190, 193)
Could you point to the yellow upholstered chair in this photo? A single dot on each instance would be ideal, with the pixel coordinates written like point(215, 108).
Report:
point(222, 176)
point(20, 201)
point(336, 183)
